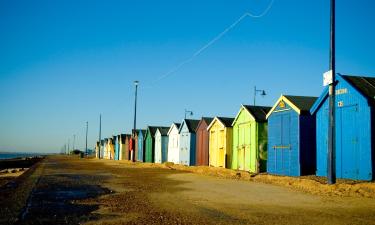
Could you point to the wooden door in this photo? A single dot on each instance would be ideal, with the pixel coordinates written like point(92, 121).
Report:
point(347, 143)
point(221, 150)
point(241, 147)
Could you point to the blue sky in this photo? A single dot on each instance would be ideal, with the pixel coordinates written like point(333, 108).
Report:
point(65, 62)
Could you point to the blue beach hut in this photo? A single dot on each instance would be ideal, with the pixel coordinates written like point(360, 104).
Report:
point(291, 136)
point(117, 147)
point(187, 142)
point(141, 144)
point(354, 111)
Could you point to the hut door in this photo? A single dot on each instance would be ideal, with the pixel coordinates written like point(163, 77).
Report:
point(285, 138)
point(213, 147)
point(241, 147)
point(221, 153)
point(347, 142)
point(282, 143)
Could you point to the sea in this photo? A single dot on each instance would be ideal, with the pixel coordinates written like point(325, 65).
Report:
point(13, 155)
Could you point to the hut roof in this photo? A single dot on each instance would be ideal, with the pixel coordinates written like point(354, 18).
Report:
point(365, 85)
point(258, 112)
point(163, 130)
point(301, 104)
point(152, 130)
point(226, 121)
point(191, 124)
point(207, 120)
point(304, 103)
point(177, 125)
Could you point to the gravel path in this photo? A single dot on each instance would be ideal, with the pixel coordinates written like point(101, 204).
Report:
point(76, 191)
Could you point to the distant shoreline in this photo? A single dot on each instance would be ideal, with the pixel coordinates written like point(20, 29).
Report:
point(19, 155)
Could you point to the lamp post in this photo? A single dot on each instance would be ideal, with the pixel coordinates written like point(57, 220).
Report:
point(100, 133)
point(262, 93)
point(74, 141)
point(331, 158)
point(87, 130)
point(188, 112)
point(136, 83)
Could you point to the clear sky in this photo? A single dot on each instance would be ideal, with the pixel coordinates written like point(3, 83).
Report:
point(64, 62)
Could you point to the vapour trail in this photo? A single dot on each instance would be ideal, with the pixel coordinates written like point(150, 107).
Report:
point(213, 41)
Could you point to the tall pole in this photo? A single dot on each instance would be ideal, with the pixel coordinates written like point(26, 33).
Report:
point(100, 133)
point(87, 130)
point(135, 116)
point(74, 141)
point(68, 146)
point(331, 159)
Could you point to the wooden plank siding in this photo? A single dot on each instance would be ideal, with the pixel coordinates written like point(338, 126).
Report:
point(220, 142)
point(291, 148)
point(202, 142)
point(354, 130)
point(250, 139)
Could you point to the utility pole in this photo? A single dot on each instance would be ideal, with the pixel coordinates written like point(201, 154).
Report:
point(68, 146)
point(100, 133)
point(331, 159)
point(135, 117)
point(87, 130)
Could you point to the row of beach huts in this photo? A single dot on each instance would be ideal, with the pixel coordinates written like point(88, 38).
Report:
point(290, 138)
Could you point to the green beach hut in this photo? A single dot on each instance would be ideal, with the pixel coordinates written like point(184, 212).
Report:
point(149, 144)
point(250, 139)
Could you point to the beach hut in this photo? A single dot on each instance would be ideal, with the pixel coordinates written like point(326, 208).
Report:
point(131, 148)
point(111, 148)
point(127, 154)
point(291, 137)
point(117, 147)
point(220, 142)
point(136, 145)
point(105, 145)
point(121, 146)
point(101, 152)
point(150, 147)
point(187, 142)
point(249, 150)
point(202, 137)
point(355, 116)
point(161, 144)
point(141, 143)
point(174, 143)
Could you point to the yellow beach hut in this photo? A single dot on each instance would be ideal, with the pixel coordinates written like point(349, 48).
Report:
point(220, 142)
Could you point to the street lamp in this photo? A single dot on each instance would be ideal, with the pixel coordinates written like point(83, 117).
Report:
point(136, 83)
point(262, 93)
point(188, 112)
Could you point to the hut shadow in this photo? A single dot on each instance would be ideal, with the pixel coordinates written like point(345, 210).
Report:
point(54, 200)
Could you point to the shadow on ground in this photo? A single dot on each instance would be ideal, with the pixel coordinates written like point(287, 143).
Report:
point(52, 201)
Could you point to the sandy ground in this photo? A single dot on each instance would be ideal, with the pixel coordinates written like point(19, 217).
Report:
point(89, 191)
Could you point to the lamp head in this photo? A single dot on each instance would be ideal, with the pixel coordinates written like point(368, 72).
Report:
point(136, 83)
point(263, 93)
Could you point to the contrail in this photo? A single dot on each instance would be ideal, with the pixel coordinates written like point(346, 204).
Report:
point(213, 41)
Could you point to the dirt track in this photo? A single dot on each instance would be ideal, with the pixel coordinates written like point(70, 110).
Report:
point(72, 191)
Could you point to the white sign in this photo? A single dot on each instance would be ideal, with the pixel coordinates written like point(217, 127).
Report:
point(327, 78)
